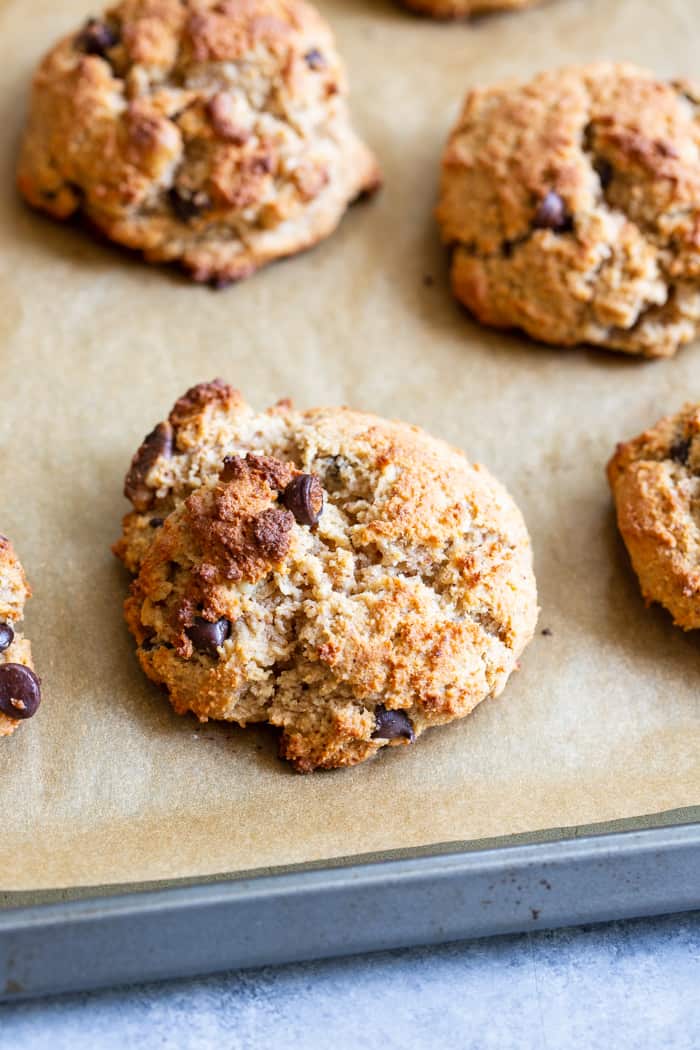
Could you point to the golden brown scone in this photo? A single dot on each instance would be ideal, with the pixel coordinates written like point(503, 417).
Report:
point(348, 579)
point(210, 133)
point(571, 205)
point(464, 8)
point(655, 481)
point(20, 690)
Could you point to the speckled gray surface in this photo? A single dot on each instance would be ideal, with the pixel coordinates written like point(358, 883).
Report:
point(624, 986)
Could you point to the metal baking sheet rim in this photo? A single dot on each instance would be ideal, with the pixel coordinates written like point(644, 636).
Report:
point(417, 897)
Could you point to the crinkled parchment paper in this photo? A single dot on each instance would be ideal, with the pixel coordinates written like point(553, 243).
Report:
point(602, 722)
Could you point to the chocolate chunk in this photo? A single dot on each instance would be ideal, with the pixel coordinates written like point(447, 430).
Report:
point(220, 284)
point(333, 469)
point(304, 497)
point(315, 60)
point(20, 691)
point(187, 206)
point(207, 637)
point(604, 171)
point(7, 636)
point(551, 213)
point(97, 38)
point(680, 450)
point(392, 725)
point(156, 444)
point(156, 523)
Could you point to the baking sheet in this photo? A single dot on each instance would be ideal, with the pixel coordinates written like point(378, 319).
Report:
point(602, 722)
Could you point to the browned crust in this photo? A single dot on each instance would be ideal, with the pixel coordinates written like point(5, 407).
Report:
point(238, 526)
point(191, 404)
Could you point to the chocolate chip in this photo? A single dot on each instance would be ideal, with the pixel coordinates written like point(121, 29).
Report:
point(392, 725)
point(156, 523)
point(207, 637)
point(315, 60)
point(680, 450)
point(604, 171)
point(7, 636)
point(97, 38)
point(20, 691)
point(304, 497)
point(156, 444)
point(333, 470)
point(219, 284)
point(187, 206)
point(551, 213)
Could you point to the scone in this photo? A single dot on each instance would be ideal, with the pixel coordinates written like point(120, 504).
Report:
point(210, 133)
point(20, 689)
point(655, 481)
point(464, 8)
point(571, 205)
point(350, 580)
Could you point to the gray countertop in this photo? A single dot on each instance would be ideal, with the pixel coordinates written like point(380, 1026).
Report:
point(618, 986)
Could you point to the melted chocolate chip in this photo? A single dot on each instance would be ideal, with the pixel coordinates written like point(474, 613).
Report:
point(97, 38)
point(156, 444)
point(20, 691)
point(7, 636)
point(551, 213)
point(333, 468)
point(680, 450)
point(315, 60)
point(304, 497)
point(156, 523)
point(207, 637)
point(220, 284)
point(392, 725)
point(604, 171)
point(187, 206)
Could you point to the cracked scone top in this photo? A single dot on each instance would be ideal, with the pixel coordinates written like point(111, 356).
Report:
point(213, 134)
point(571, 205)
point(350, 580)
point(655, 481)
point(464, 8)
point(20, 692)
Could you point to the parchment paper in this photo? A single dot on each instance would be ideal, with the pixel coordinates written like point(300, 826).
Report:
point(602, 722)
